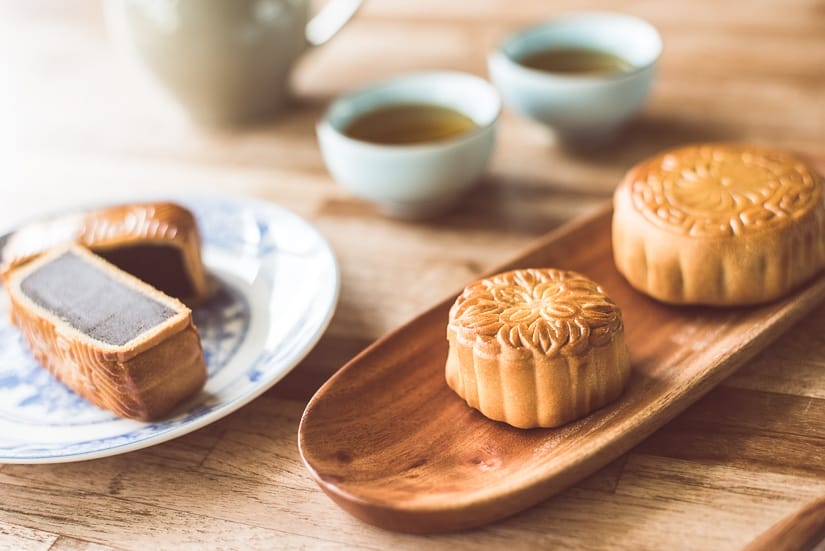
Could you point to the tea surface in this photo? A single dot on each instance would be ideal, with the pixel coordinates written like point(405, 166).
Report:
point(409, 123)
point(576, 61)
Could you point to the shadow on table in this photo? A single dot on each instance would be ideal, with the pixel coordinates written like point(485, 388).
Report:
point(297, 120)
point(648, 135)
point(506, 204)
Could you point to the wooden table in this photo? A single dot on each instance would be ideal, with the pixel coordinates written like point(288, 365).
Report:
point(77, 125)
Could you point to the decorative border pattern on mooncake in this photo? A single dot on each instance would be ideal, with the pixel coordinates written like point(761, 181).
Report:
point(144, 387)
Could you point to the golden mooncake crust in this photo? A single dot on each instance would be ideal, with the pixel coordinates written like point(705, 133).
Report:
point(143, 379)
point(719, 224)
point(161, 223)
point(536, 347)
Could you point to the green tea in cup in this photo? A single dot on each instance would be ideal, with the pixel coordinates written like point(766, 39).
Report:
point(409, 123)
point(575, 60)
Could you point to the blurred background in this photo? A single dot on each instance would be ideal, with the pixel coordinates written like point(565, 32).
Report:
point(76, 113)
point(82, 123)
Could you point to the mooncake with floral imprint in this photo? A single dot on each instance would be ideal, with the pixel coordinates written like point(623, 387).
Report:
point(536, 347)
point(719, 224)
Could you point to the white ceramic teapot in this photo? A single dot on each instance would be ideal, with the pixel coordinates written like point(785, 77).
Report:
point(224, 61)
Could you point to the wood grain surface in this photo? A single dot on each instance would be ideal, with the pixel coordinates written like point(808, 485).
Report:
point(802, 530)
point(379, 454)
point(80, 125)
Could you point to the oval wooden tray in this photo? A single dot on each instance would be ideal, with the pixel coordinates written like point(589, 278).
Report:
point(389, 442)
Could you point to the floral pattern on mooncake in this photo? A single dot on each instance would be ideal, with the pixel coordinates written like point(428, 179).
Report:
point(546, 310)
point(724, 190)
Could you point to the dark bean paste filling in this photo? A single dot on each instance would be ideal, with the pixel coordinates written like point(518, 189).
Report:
point(158, 265)
point(92, 301)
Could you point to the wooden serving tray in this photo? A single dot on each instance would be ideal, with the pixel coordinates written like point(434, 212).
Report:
point(389, 442)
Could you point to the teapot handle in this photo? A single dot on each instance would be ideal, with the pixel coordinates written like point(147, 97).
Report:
point(330, 20)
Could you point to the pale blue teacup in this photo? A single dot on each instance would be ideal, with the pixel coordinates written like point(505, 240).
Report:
point(580, 108)
point(419, 179)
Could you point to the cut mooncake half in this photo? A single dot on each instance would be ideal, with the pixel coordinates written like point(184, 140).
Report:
point(536, 347)
point(116, 341)
point(157, 242)
point(719, 224)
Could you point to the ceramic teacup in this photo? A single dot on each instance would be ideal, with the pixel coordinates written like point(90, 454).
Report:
point(580, 108)
point(420, 179)
point(224, 61)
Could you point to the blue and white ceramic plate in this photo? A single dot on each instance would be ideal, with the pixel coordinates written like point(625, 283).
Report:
point(278, 287)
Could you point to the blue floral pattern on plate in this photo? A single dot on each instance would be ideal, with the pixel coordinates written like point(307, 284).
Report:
point(277, 285)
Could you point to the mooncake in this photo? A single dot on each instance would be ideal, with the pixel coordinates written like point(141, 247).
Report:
point(116, 341)
point(719, 224)
point(157, 242)
point(536, 347)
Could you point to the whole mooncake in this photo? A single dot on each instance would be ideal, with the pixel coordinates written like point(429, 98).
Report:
point(536, 347)
point(719, 224)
